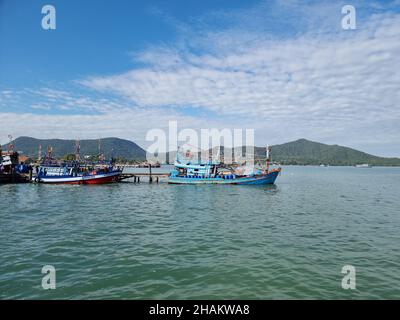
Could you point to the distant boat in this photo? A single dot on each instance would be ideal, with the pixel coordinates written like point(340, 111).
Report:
point(188, 172)
point(364, 165)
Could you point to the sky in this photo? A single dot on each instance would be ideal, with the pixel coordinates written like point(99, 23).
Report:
point(286, 69)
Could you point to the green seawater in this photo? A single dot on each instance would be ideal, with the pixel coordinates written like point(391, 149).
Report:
point(160, 241)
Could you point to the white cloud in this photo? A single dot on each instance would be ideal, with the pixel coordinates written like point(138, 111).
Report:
point(327, 86)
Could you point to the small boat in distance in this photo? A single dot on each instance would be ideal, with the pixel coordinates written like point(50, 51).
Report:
point(213, 172)
point(364, 165)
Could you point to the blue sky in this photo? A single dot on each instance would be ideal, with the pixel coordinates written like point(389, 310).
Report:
point(285, 68)
point(92, 37)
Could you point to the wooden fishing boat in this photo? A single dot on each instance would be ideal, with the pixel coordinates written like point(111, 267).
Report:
point(76, 172)
point(188, 172)
point(77, 175)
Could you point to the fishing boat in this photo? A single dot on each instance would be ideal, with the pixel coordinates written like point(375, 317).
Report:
point(76, 171)
point(77, 175)
point(213, 172)
point(9, 166)
point(8, 169)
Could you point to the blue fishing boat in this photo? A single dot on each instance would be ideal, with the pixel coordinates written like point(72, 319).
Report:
point(76, 171)
point(64, 174)
point(213, 172)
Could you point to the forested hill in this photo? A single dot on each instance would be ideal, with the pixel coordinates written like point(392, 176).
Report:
point(302, 151)
point(110, 147)
point(305, 152)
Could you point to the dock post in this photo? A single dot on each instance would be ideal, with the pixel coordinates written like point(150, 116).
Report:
point(134, 179)
point(150, 177)
point(157, 179)
point(138, 179)
point(30, 173)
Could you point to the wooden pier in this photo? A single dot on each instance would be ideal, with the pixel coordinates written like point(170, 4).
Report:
point(137, 176)
point(150, 174)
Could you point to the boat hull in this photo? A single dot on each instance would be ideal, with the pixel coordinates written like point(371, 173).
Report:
point(90, 179)
point(102, 179)
point(268, 178)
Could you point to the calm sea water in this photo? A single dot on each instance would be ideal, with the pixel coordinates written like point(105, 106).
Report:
point(193, 242)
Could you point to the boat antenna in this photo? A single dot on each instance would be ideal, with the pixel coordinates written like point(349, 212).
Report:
point(40, 153)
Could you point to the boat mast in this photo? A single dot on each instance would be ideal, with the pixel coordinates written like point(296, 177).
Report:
point(77, 150)
point(49, 155)
point(40, 153)
point(268, 150)
point(218, 157)
point(101, 156)
point(10, 144)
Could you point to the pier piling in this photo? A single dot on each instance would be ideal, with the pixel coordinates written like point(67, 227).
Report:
point(150, 177)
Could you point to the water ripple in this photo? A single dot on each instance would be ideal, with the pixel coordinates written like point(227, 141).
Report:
point(192, 242)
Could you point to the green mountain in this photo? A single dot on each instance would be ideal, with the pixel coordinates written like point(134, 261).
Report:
point(302, 151)
point(110, 147)
point(306, 152)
